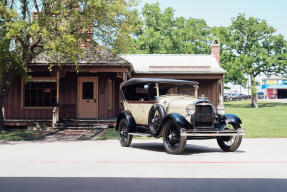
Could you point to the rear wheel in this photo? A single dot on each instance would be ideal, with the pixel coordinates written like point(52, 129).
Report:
point(125, 138)
point(230, 143)
point(173, 142)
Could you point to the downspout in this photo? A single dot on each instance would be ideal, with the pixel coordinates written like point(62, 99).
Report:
point(221, 91)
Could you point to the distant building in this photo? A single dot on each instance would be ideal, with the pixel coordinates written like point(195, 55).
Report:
point(236, 89)
point(275, 88)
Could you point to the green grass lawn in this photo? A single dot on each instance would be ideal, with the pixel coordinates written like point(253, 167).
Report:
point(20, 135)
point(269, 120)
point(109, 134)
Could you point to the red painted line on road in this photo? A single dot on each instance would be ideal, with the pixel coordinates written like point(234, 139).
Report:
point(140, 162)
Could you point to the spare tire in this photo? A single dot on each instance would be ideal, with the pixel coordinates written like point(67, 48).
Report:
point(155, 117)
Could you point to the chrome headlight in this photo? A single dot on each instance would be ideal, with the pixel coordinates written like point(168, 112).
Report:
point(190, 109)
point(220, 109)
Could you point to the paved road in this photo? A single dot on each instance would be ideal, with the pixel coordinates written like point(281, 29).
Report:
point(258, 165)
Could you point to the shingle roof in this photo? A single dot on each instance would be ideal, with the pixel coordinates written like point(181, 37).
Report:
point(173, 63)
point(95, 57)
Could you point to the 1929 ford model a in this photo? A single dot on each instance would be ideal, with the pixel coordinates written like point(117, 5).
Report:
point(171, 109)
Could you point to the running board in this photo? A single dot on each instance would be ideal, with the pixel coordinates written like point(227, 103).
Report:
point(141, 134)
point(212, 133)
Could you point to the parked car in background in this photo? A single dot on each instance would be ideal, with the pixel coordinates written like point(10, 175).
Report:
point(227, 97)
point(243, 96)
point(260, 95)
point(171, 109)
point(235, 96)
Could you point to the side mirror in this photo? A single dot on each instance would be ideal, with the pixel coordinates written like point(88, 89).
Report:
point(146, 86)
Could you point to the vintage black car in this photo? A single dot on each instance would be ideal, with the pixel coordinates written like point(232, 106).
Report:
point(171, 109)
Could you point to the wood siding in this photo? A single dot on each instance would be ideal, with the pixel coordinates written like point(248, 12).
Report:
point(108, 96)
point(210, 89)
point(68, 96)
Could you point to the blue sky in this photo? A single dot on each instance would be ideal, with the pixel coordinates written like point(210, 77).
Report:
point(220, 12)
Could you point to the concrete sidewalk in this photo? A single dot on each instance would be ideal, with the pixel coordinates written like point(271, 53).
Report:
point(88, 166)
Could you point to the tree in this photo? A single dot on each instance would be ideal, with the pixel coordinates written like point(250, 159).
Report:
point(250, 48)
point(228, 58)
point(57, 28)
point(158, 31)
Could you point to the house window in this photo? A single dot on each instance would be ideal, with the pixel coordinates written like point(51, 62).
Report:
point(88, 90)
point(40, 94)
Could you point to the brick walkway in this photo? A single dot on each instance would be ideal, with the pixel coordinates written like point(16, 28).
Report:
point(73, 135)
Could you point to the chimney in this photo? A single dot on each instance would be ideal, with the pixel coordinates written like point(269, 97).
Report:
point(88, 41)
point(215, 49)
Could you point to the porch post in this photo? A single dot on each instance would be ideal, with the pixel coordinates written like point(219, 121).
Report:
point(124, 76)
point(55, 117)
point(58, 86)
point(58, 95)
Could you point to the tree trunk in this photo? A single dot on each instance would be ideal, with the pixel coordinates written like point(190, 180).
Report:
point(253, 92)
point(5, 83)
point(2, 127)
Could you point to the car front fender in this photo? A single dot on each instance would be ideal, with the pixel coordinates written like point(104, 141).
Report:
point(178, 119)
point(129, 118)
point(232, 118)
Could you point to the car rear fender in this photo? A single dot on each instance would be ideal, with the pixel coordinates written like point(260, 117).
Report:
point(232, 119)
point(129, 118)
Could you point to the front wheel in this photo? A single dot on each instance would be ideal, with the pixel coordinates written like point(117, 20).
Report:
point(230, 143)
point(173, 142)
point(155, 117)
point(125, 138)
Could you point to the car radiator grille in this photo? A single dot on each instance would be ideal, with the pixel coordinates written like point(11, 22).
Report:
point(204, 116)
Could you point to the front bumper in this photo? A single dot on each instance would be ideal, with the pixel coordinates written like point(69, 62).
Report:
point(212, 133)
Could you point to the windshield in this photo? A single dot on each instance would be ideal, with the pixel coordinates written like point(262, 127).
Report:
point(174, 89)
point(148, 92)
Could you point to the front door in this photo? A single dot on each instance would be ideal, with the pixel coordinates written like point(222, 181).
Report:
point(88, 97)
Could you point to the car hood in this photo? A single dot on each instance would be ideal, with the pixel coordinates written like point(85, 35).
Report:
point(176, 104)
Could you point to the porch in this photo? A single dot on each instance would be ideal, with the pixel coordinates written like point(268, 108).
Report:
point(62, 124)
point(86, 99)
